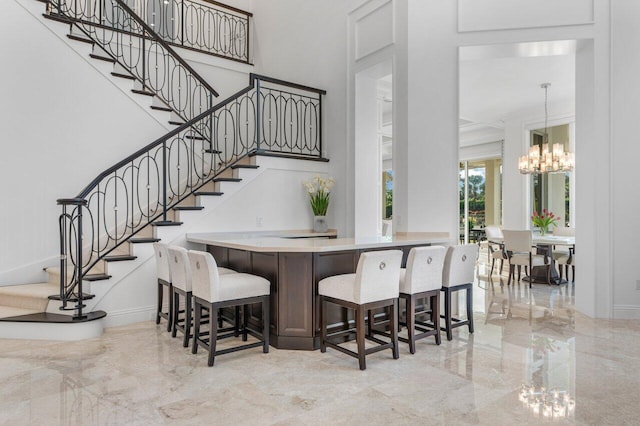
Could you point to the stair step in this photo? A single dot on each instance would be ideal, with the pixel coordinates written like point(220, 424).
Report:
point(123, 75)
point(28, 296)
point(245, 166)
point(59, 18)
point(188, 208)
point(208, 193)
point(102, 58)
point(212, 151)
point(119, 258)
point(161, 108)
point(176, 123)
point(143, 92)
point(47, 317)
point(195, 138)
point(10, 312)
point(96, 277)
point(226, 179)
point(85, 296)
point(79, 38)
point(166, 223)
point(143, 240)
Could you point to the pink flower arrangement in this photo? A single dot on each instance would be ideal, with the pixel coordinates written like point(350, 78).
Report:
point(544, 220)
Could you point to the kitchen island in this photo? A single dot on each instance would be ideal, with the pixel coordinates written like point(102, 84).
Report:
point(294, 263)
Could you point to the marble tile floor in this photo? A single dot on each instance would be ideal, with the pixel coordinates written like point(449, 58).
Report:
point(139, 375)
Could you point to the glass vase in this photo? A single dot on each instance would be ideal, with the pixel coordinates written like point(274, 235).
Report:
point(320, 224)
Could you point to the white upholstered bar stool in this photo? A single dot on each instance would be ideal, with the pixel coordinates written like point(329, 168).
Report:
point(212, 291)
point(422, 279)
point(518, 245)
point(164, 283)
point(458, 274)
point(374, 285)
point(182, 288)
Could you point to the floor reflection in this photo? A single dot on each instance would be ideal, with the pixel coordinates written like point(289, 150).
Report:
point(532, 360)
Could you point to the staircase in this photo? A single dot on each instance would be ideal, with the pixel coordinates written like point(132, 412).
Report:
point(140, 200)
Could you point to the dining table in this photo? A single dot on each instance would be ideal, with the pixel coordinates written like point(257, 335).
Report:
point(545, 244)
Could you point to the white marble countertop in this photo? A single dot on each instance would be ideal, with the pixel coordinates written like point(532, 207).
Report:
point(286, 243)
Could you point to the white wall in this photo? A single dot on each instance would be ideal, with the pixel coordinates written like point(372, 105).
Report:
point(625, 150)
point(63, 123)
point(304, 42)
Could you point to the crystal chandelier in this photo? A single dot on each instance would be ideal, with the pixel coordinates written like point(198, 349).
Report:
point(552, 158)
point(551, 403)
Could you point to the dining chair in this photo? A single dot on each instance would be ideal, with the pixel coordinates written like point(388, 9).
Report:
point(519, 251)
point(495, 246)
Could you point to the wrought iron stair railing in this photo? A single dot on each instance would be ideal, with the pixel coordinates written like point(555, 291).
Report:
point(142, 52)
point(203, 25)
point(268, 116)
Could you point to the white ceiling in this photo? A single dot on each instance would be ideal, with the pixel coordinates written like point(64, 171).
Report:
point(502, 81)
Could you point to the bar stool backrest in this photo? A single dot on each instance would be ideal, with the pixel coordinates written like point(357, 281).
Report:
point(377, 276)
point(162, 261)
point(517, 241)
point(205, 275)
point(460, 265)
point(424, 269)
point(180, 268)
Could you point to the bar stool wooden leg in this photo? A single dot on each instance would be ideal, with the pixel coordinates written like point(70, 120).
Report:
point(447, 314)
point(323, 324)
point(411, 322)
point(360, 333)
point(196, 326)
point(266, 320)
point(213, 332)
point(394, 328)
point(159, 298)
point(470, 307)
point(245, 320)
point(187, 319)
point(435, 315)
point(176, 309)
point(370, 321)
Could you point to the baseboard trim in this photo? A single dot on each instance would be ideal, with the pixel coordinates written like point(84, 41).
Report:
point(626, 311)
point(45, 331)
point(130, 316)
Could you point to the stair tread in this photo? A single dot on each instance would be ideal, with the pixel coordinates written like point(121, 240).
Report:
point(212, 151)
point(119, 257)
point(96, 277)
point(216, 193)
point(196, 137)
point(143, 240)
point(143, 92)
point(80, 38)
point(161, 108)
point(176, 123)
point(123, 75)
point(166, 223)
point(38, 290)
point(48, 317)
point(245, 166)
point(102, 58)
point(188, 208)
point(58, 17)
point(10, 311)
point(226, 179)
